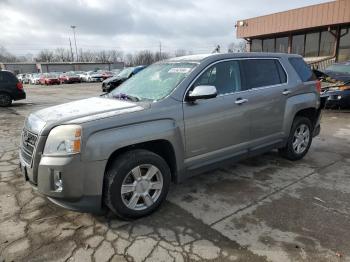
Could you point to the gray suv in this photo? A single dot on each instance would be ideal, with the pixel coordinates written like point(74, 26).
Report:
point(174, 119)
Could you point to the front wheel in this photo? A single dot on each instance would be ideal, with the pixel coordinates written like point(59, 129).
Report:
point(299, 140)
point(136, 184)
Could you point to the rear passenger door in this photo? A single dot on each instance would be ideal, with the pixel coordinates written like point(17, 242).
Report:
point(267, 81)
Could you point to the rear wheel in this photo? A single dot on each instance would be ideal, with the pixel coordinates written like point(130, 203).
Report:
point(136, 183)
point(5, 99)
point(299, 140)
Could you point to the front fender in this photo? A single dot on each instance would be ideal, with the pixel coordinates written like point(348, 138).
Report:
point(101, 145)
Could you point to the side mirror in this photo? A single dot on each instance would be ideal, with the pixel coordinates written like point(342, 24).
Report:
point(202, 92)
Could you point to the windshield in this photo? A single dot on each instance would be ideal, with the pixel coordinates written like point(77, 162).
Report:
point(339, 69)
point(155, 82)
point(126, 72)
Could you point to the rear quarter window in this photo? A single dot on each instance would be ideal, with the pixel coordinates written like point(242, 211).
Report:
point(262, 72)
point(302, 69)
point(7, 77)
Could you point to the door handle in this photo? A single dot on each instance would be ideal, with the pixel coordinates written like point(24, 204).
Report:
point(286, 92)
point(240, 101)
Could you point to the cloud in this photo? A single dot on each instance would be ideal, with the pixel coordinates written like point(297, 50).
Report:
point(197, 25)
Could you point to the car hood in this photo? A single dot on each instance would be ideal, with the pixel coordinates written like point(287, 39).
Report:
point(338, 76)
point(82, 110)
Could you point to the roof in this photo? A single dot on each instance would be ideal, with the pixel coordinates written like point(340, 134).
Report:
point(192, 58)
point(219, 56)
point(325, 14)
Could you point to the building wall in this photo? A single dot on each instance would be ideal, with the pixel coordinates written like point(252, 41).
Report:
point(335, 12)
point(58, 67)
point(20, 68)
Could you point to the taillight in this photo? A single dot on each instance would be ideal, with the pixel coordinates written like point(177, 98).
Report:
point(19, 86)
point(318, 86)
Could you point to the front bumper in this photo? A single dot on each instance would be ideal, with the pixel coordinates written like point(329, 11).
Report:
point(81, 182)
point(337, 99)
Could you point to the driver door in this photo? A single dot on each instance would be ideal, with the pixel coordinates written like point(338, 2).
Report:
point(217, 128)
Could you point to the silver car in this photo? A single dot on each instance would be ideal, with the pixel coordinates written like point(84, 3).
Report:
point(174, 119)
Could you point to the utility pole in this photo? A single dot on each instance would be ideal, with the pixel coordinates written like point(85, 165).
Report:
point(71, 50)
point(160, 50)
point(75, 42)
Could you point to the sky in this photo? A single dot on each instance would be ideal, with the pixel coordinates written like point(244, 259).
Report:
point(28, 26)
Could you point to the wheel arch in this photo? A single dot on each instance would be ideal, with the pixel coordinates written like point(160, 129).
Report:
point(161, 147)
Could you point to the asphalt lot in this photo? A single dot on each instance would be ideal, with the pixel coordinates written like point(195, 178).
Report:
point(261, 209)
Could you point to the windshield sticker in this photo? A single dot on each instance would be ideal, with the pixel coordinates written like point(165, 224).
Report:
point(179, 70)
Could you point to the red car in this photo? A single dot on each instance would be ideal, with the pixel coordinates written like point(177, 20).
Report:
point(106, 74)
point(69, 77)
point(49, 79)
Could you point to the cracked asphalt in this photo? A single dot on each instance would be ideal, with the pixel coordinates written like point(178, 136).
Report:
point(261, 209)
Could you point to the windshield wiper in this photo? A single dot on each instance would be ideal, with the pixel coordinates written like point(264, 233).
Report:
point(122, 96)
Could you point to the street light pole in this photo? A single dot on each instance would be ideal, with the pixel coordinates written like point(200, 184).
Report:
point(75, 42)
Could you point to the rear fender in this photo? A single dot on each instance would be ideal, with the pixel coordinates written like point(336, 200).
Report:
point(294, 105)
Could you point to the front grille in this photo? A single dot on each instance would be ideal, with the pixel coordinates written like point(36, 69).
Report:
point(28, 143)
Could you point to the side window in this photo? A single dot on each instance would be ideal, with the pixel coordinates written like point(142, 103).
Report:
point(262, 72)
point(225, 76)
point(302, 69)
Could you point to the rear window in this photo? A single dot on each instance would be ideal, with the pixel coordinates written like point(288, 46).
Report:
point(7, 77)
point(302, 69)
point(262, 72)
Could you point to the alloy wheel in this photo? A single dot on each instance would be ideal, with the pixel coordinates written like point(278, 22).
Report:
point(142, 187)
point(301, 139)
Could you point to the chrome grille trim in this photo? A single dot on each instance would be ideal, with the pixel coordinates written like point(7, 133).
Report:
point(28, 143)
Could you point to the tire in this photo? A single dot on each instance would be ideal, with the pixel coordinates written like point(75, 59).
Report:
point(298, 145)
point(120, 173)
point(5, 100)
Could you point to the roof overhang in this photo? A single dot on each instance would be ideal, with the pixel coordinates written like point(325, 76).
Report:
point(321, 15)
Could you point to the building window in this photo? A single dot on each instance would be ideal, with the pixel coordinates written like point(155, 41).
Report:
point(327, 43)
point(269, 45)
point(282, 44)
point(312, 41)
point(344, 45)
point(298, 44)
point(256, 45)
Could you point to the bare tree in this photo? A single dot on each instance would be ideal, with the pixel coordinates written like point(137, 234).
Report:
point(6, 56)
point(62, 55)
point(87, 56)
point(217, 49)
point(45, 56)
point(180, 52)
point(237, 47)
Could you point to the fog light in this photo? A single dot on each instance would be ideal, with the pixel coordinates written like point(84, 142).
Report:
point(339, 97)
point(57, 181)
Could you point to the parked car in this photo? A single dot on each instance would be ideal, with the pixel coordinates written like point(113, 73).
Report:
point(111, 83)
point(10, 88)
point(49, 79)
point(174, 119)
point(69, 78)
point(106, 74)
point(23, 78)
point(335, 93)
point(93, 76)
point(34, 79)
point(339, 71)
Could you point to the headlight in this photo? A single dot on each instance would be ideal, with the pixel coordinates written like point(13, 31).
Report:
point(63, 140)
